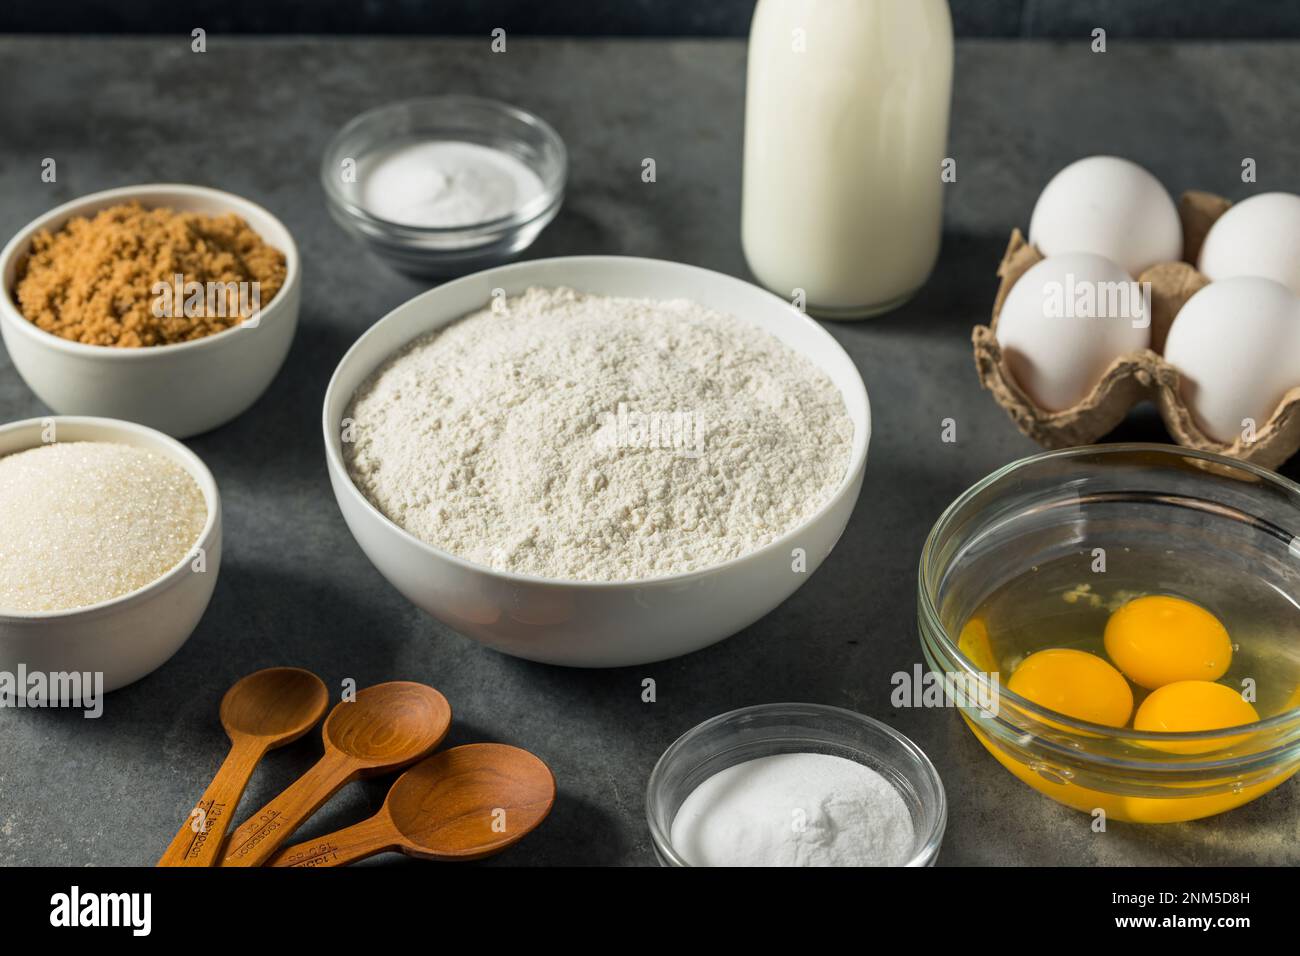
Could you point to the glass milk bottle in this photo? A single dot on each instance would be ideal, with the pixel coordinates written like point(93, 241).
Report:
point(846, 126)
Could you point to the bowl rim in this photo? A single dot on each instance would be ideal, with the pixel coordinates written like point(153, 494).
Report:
point(553, 186)
point(926, 850)
point(338, 468)
point(932, 623)
point(181, 455)
point(12, 316)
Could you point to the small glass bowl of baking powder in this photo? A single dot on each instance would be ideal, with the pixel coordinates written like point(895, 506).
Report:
point(750, 733)
point(445, 185)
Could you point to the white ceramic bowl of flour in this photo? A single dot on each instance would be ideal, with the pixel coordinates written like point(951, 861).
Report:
point(581, 623)
point(129, 636)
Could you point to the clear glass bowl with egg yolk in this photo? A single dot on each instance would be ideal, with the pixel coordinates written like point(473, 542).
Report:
point(1104, 598)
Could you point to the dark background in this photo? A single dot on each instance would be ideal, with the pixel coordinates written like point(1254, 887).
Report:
point(1164, 19)
point(254, 116)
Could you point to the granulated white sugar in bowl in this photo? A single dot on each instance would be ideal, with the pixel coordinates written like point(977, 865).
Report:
point(83, 522)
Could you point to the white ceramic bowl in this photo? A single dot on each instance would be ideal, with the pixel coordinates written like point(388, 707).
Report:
point(181, 389)
point(581, 623)
point(129, 636)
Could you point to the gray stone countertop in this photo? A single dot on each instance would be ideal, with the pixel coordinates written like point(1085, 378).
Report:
point(253, 115)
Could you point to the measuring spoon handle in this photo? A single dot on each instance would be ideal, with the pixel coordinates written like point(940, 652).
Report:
point(199, 840)
point(341, 847)
point(258, 837)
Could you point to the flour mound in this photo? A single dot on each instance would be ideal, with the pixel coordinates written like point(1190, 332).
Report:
point(584, 437)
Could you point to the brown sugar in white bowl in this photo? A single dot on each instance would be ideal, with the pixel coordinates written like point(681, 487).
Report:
point(180, 389)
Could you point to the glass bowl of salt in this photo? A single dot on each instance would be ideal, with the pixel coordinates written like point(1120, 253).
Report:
point(795, 785)
point(445, 185)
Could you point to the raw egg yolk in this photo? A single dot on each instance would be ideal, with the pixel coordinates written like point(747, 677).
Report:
point(1074, 683)
point(1157, 640)
point(974, 643)
point(1191, 705)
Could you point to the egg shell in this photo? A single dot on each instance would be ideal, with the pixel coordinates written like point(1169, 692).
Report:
point(1058, 358)
point(1236, 345)
point(1259, 236)
point(1111, 207)
point(1141, 376)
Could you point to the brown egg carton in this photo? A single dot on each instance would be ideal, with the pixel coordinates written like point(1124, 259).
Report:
point(1139, 376)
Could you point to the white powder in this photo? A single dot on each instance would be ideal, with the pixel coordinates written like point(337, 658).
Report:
point(84, 522)
point(531, 438)
point(445, 183)
point(798, 809)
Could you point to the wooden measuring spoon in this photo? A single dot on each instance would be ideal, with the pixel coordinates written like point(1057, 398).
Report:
point(387, 727)
point(265, 710)
point(462, 804)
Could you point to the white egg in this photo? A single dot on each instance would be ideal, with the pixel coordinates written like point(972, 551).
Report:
point(1236, 344)
point(1111, 207)
point(1065, 321)
point(1259, 236)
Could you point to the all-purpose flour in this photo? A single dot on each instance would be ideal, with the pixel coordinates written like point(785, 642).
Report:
point(583, 437)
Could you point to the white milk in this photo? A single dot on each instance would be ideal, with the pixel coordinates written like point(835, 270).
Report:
point(846, 125)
